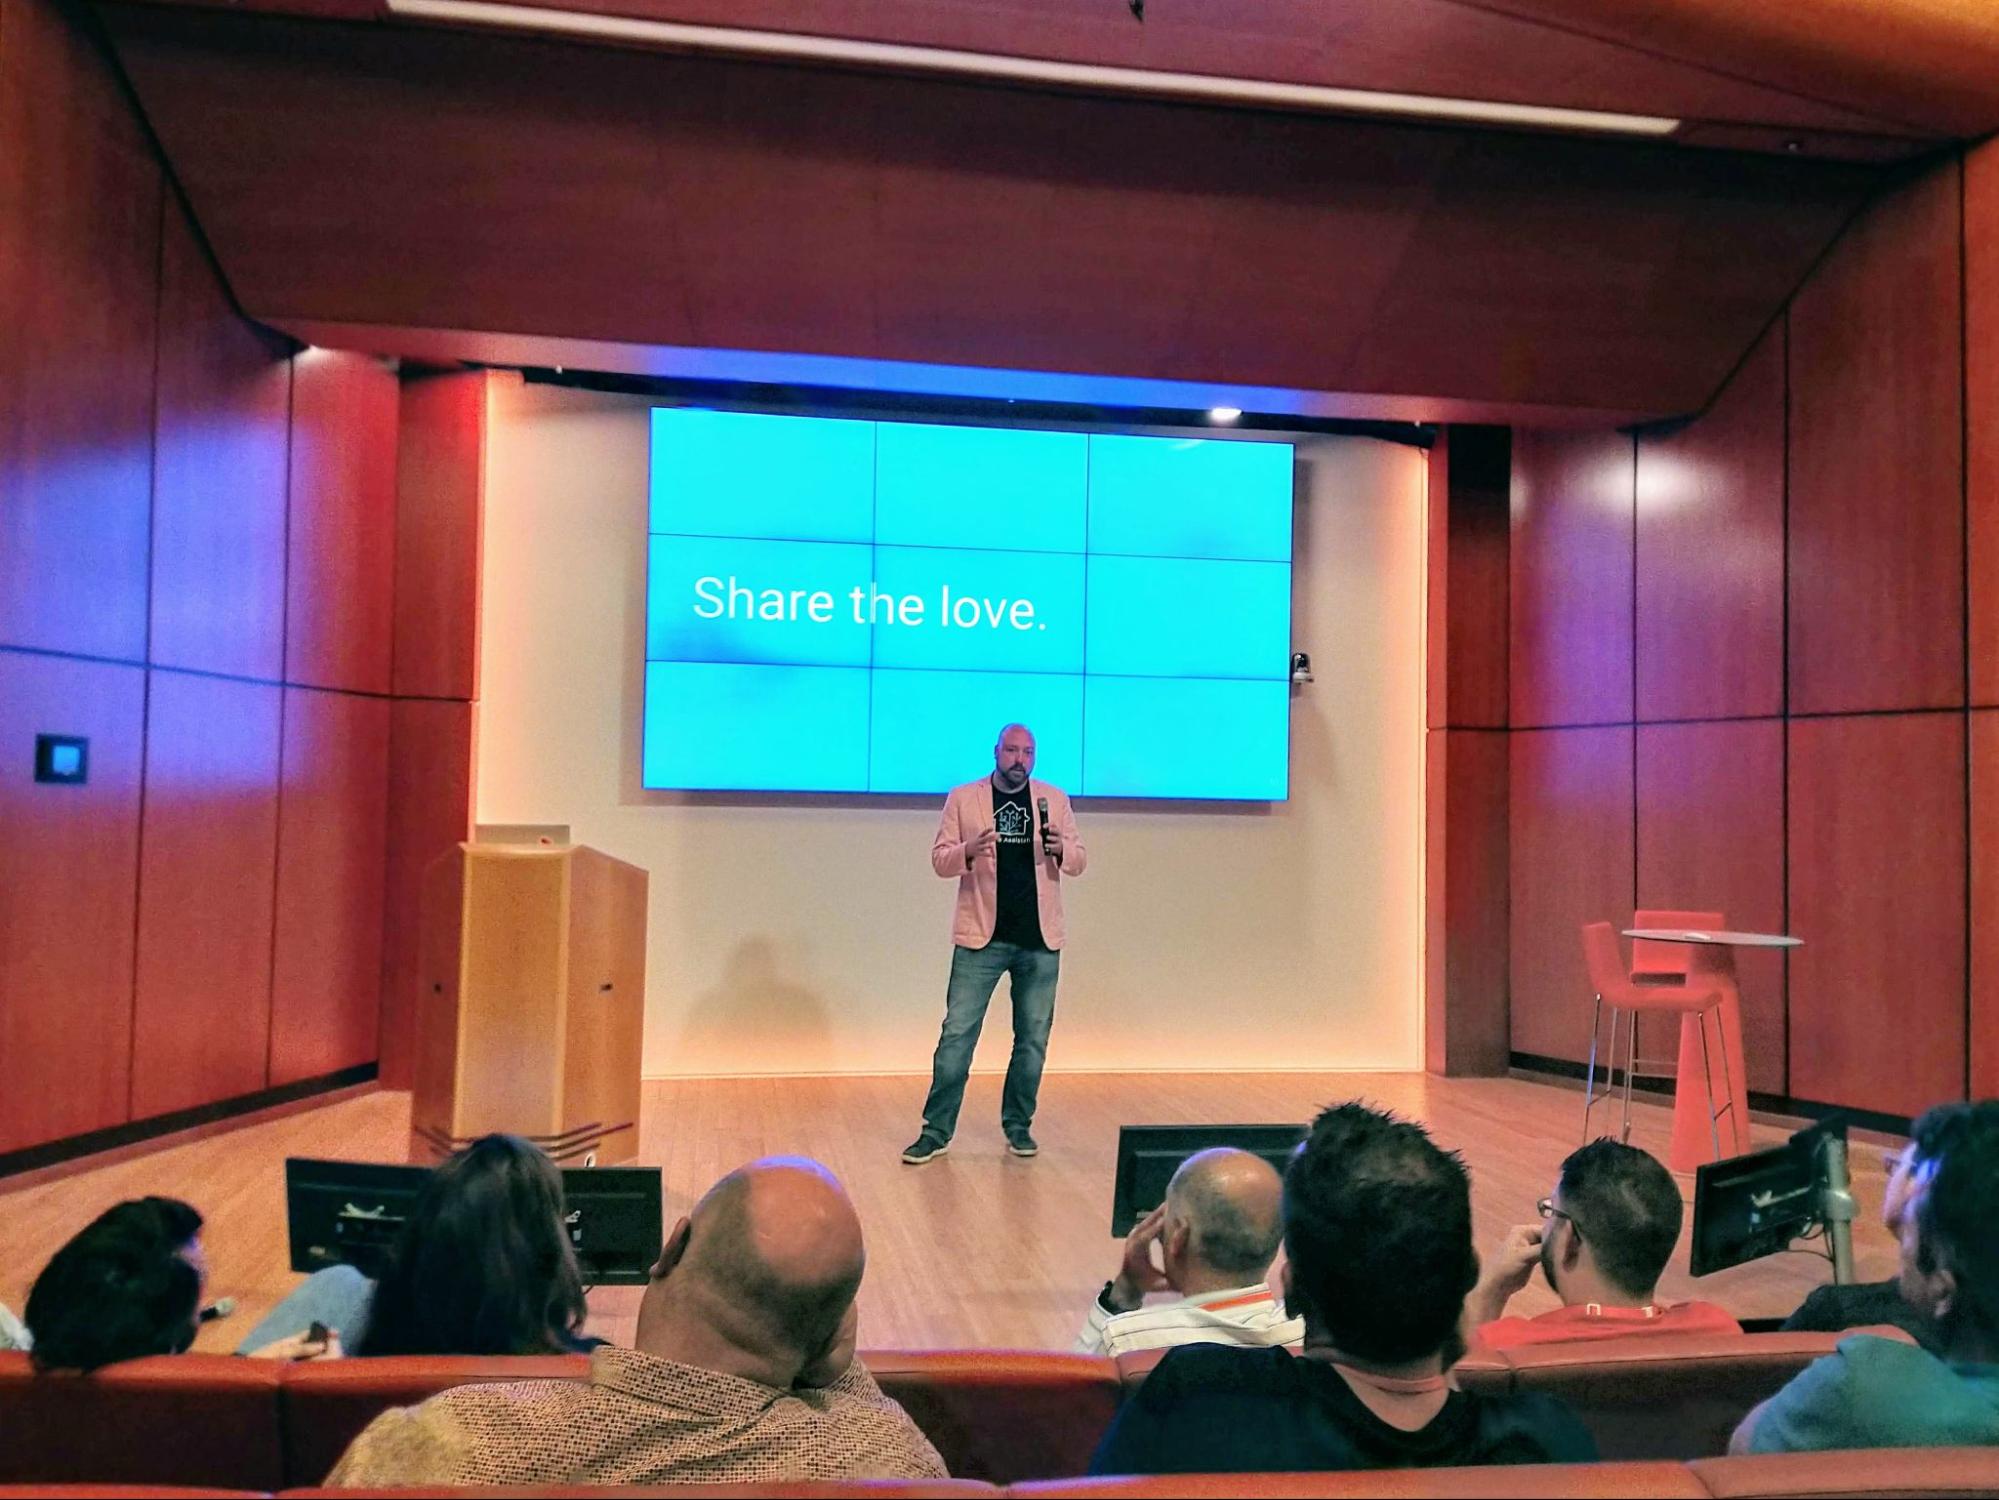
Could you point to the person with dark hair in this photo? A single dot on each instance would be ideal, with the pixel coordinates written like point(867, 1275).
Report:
point(744, 1369)
point(1874, 1392)
point(484, 1265)
point(1377, 1228)
point(1217, 1233)
point(127, 1284)
point(1605, 1236)
point(1834, 1308)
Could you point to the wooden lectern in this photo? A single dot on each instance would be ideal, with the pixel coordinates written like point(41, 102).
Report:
point(531, 1016)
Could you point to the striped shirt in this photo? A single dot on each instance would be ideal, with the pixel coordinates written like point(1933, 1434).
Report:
point(1248, 1316)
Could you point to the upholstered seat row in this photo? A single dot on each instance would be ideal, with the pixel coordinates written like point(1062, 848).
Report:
point(997, 1416)
point(1870, 1475)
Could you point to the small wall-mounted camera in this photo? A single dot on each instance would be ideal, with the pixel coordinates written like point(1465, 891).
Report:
point(1301, 667)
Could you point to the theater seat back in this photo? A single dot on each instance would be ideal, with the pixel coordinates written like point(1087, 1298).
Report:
point(323, 1406)
point(1526, 1480)
point(1872, 1472)
point(844, 1489)
point(1002, 1415)
point(203, 1420)
point(1668, 1395)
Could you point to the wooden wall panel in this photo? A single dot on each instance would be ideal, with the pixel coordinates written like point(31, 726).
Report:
point(1981, 413)
point(201, 1019)
point(1710, 607)
point(339, 600)
point(1984, 1006)
point(1876, 584)
point(79, 238)
point(1465, 879)
point(1569, 603)
point(430, 810)
point(146, 486)
point(440, 459)
point(1711, 838)
point(1469, 544)
point(218, 600)
point(326, 981)
point(1877, 886)
point(1570, 816)
point(1465, 933)
point(69, 870)
point(703, 206)
point(1927, 63)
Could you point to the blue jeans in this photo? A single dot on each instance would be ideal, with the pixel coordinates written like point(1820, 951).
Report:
point(338, 1296)
point(975, 972)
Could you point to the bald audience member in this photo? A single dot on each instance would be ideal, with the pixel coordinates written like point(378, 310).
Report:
point(1217, 1233)
point(743, 1370)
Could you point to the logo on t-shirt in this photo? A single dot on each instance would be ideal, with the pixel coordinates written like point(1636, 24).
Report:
point(1011, 821)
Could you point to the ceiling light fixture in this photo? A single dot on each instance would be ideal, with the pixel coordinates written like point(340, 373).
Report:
point(1203, 87)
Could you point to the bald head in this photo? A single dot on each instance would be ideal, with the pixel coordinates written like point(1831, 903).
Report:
point(770, 1262)
point(1232, 1204)
point(1013, 757)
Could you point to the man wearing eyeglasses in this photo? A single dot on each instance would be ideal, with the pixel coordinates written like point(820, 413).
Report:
point(1604, 1238)
point(1835, 1308)
point(1873, 1392)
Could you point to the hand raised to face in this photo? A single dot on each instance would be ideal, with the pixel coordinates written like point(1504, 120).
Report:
point(1136, 1275)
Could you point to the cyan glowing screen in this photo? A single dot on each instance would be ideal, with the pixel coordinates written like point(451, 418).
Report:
point(844, 606)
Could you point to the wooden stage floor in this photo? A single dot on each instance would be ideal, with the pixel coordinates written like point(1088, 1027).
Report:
point(976, 1249)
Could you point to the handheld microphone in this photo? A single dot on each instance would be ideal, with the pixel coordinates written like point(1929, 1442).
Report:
point(1043, 804)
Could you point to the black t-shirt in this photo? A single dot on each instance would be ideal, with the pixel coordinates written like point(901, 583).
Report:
point(1834, 1309)
point(1211, 1409)
point(1018, 918)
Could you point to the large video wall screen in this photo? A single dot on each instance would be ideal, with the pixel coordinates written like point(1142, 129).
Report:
point(852, 606)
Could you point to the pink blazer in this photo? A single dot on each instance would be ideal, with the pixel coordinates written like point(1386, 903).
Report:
point(968, 811)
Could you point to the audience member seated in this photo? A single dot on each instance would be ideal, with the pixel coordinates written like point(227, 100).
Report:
point(14, 1335)
point(1879, 1393)
point(1833, 1308)
point(1377, 1234)
point(744, 1369)
point(1217, 1233)
point(128, 1284)
point(484, 1266)
point(1602, 1243)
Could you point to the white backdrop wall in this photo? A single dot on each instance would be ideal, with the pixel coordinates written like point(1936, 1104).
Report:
point(809, 935)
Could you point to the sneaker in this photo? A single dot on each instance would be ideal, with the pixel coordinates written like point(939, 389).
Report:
point(923, 1149)
point(1020, 1143)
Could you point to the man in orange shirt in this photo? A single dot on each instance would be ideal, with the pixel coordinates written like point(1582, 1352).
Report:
point(1603, 1240)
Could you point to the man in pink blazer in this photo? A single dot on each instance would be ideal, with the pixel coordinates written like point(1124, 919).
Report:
point(1008, 840)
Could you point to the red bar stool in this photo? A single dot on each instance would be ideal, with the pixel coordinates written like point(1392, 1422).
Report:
point(1654, 962)
point(1613, 986)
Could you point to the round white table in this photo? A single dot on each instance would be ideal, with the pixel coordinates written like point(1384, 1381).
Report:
point(1715, 939)
point(1711, 964)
